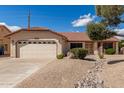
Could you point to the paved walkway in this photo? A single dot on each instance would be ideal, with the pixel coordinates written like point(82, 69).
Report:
point(13, 71)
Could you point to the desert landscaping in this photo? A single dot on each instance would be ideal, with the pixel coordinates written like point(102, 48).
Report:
point(66, 73)
point(59, 73)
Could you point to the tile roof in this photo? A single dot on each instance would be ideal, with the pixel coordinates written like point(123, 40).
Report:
point(81, 36)
point(70, 36)
point(35, 29)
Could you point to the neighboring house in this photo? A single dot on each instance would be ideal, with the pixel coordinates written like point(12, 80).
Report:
point(4, 42)
point(44, 43)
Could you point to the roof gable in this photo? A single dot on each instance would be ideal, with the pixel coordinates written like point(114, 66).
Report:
point(35, 29)
point(4, 31)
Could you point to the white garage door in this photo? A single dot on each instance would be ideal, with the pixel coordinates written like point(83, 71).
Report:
point(37, 49)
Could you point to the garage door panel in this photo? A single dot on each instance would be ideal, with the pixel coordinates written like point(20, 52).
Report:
point(38, 51)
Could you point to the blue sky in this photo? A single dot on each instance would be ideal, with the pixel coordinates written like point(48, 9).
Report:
point(61, 18)
point(58, 18)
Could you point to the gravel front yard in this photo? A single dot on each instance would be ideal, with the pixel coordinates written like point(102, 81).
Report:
point(113, 74)
point(58, 74)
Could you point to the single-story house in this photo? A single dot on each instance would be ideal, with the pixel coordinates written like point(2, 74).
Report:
point(39, 42)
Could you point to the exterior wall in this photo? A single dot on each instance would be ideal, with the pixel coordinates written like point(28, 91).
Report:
point(115, 45)
point(65, 48)
point(36, 35)
point(90, 47)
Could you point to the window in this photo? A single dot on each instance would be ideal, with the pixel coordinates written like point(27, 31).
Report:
point(24, 42)
point(75, 45)
point(44, 42)
point(29, 42)
point(19, 42)
point(39, 42)
point(34, 42)
point(108, 45)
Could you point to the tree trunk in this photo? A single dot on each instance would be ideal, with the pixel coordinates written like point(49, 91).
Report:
point(101, 54)
point(101, 48)
point(96, 50)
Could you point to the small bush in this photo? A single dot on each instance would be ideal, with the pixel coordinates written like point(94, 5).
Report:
point(60, 56)
point(110, 51)
point(79, 53)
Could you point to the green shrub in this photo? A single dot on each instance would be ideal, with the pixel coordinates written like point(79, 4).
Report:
point(79, 53)
point(60, 56)
point(110, 51)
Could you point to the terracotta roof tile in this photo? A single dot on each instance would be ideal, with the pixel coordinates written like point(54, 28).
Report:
point(81, 36)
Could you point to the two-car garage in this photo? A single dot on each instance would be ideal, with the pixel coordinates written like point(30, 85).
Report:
point(36, 49)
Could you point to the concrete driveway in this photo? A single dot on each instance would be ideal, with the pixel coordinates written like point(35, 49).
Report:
point(13, 71)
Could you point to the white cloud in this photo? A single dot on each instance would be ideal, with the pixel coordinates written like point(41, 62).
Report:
point(77, 31)
point(83, 20)
point(120, 31)
point(12, 28)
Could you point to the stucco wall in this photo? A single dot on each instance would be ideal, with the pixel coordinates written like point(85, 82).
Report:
point(44, 35)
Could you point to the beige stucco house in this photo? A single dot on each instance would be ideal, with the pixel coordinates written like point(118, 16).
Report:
point(41, 42)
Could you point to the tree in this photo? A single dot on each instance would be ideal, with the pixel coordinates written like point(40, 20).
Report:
point(110, 14)
point(98, 32)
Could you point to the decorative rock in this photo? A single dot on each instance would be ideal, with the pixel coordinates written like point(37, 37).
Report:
point(70, 55)
point(92, 78)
